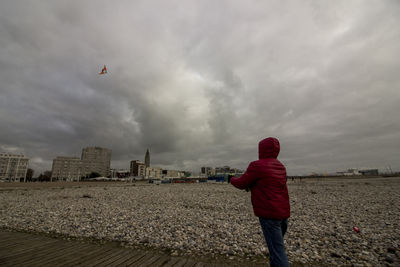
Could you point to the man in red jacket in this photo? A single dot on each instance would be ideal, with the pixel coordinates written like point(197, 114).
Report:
point(266, 178)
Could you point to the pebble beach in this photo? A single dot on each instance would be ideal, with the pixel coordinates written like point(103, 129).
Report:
point(216, 219)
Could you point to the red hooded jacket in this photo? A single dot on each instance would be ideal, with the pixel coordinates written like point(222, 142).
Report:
point(266, 179)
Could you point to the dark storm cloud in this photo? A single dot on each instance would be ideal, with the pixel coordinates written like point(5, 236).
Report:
point(201, 82)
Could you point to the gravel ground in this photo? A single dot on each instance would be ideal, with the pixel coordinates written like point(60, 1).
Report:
point(217, 219)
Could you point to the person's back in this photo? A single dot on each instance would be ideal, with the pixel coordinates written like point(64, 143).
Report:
point(266, 178)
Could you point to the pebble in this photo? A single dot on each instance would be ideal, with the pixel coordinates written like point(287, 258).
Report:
point(389, 259)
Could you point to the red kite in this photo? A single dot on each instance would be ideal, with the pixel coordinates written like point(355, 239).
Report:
point(104, 70)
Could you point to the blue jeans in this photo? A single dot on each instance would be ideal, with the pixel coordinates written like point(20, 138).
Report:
point(274, 230)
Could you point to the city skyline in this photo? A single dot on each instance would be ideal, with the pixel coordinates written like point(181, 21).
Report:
point(75, 170)
point(202, 82)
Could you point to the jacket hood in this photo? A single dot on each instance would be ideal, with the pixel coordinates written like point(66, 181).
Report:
point(268, 148)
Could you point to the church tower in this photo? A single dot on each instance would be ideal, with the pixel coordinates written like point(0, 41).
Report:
point(147, 159)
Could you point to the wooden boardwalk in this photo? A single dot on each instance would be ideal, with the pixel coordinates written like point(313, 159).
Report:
point(23, 249)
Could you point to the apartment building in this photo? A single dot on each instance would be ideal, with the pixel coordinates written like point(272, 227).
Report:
point(137, 168)
point(13, 167)
point(66, 169)
point(153, 172)
point(96, 159)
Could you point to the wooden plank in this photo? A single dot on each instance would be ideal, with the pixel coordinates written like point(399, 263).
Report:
point(73, 255)
point(97, 258)
point(9, 248)
point(181, 262)
point(114, 257)
point(172, 261)
point(13, 234)
point(31, 258)
point(154, 258)
point(4, 233)
point(8, 242)
point(103, 257)
point(25, 249)
point(39, 249)
point(21, 259)
point(209, 264)
point(143, 260)
point(25, 236)
point(161, 261)
point(7, 234)
point(21, 248)
point(130, 262)
point(190, 263)
point(127, 257)
point(16, 240)
point(62, 255)
point(4, 240)
point(12, 246)
point(88, 258)
point(20, 236)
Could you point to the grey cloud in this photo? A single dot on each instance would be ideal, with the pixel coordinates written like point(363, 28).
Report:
point(200, 83)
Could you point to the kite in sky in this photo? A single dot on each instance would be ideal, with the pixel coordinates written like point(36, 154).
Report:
point(103, 71)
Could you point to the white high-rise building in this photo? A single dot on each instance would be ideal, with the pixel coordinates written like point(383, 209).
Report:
point(13, 167)
point(66, 169)
point(96, 159)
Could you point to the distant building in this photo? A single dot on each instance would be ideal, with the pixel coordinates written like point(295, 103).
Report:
point(121, 174)
point(13, 167)
point(370, 172)
point(137, 168)
point(153, 172)
point(227, 169)
point(66, 169)
point(221, 170)
point(172, 173)
point(207, 171)
point(350, 172)
point(236, 171)
point(147, 159)
point(96, 159)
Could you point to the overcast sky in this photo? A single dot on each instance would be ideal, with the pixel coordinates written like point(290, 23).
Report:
point(202, 82)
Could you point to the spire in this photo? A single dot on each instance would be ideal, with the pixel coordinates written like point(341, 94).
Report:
point(147, 158)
